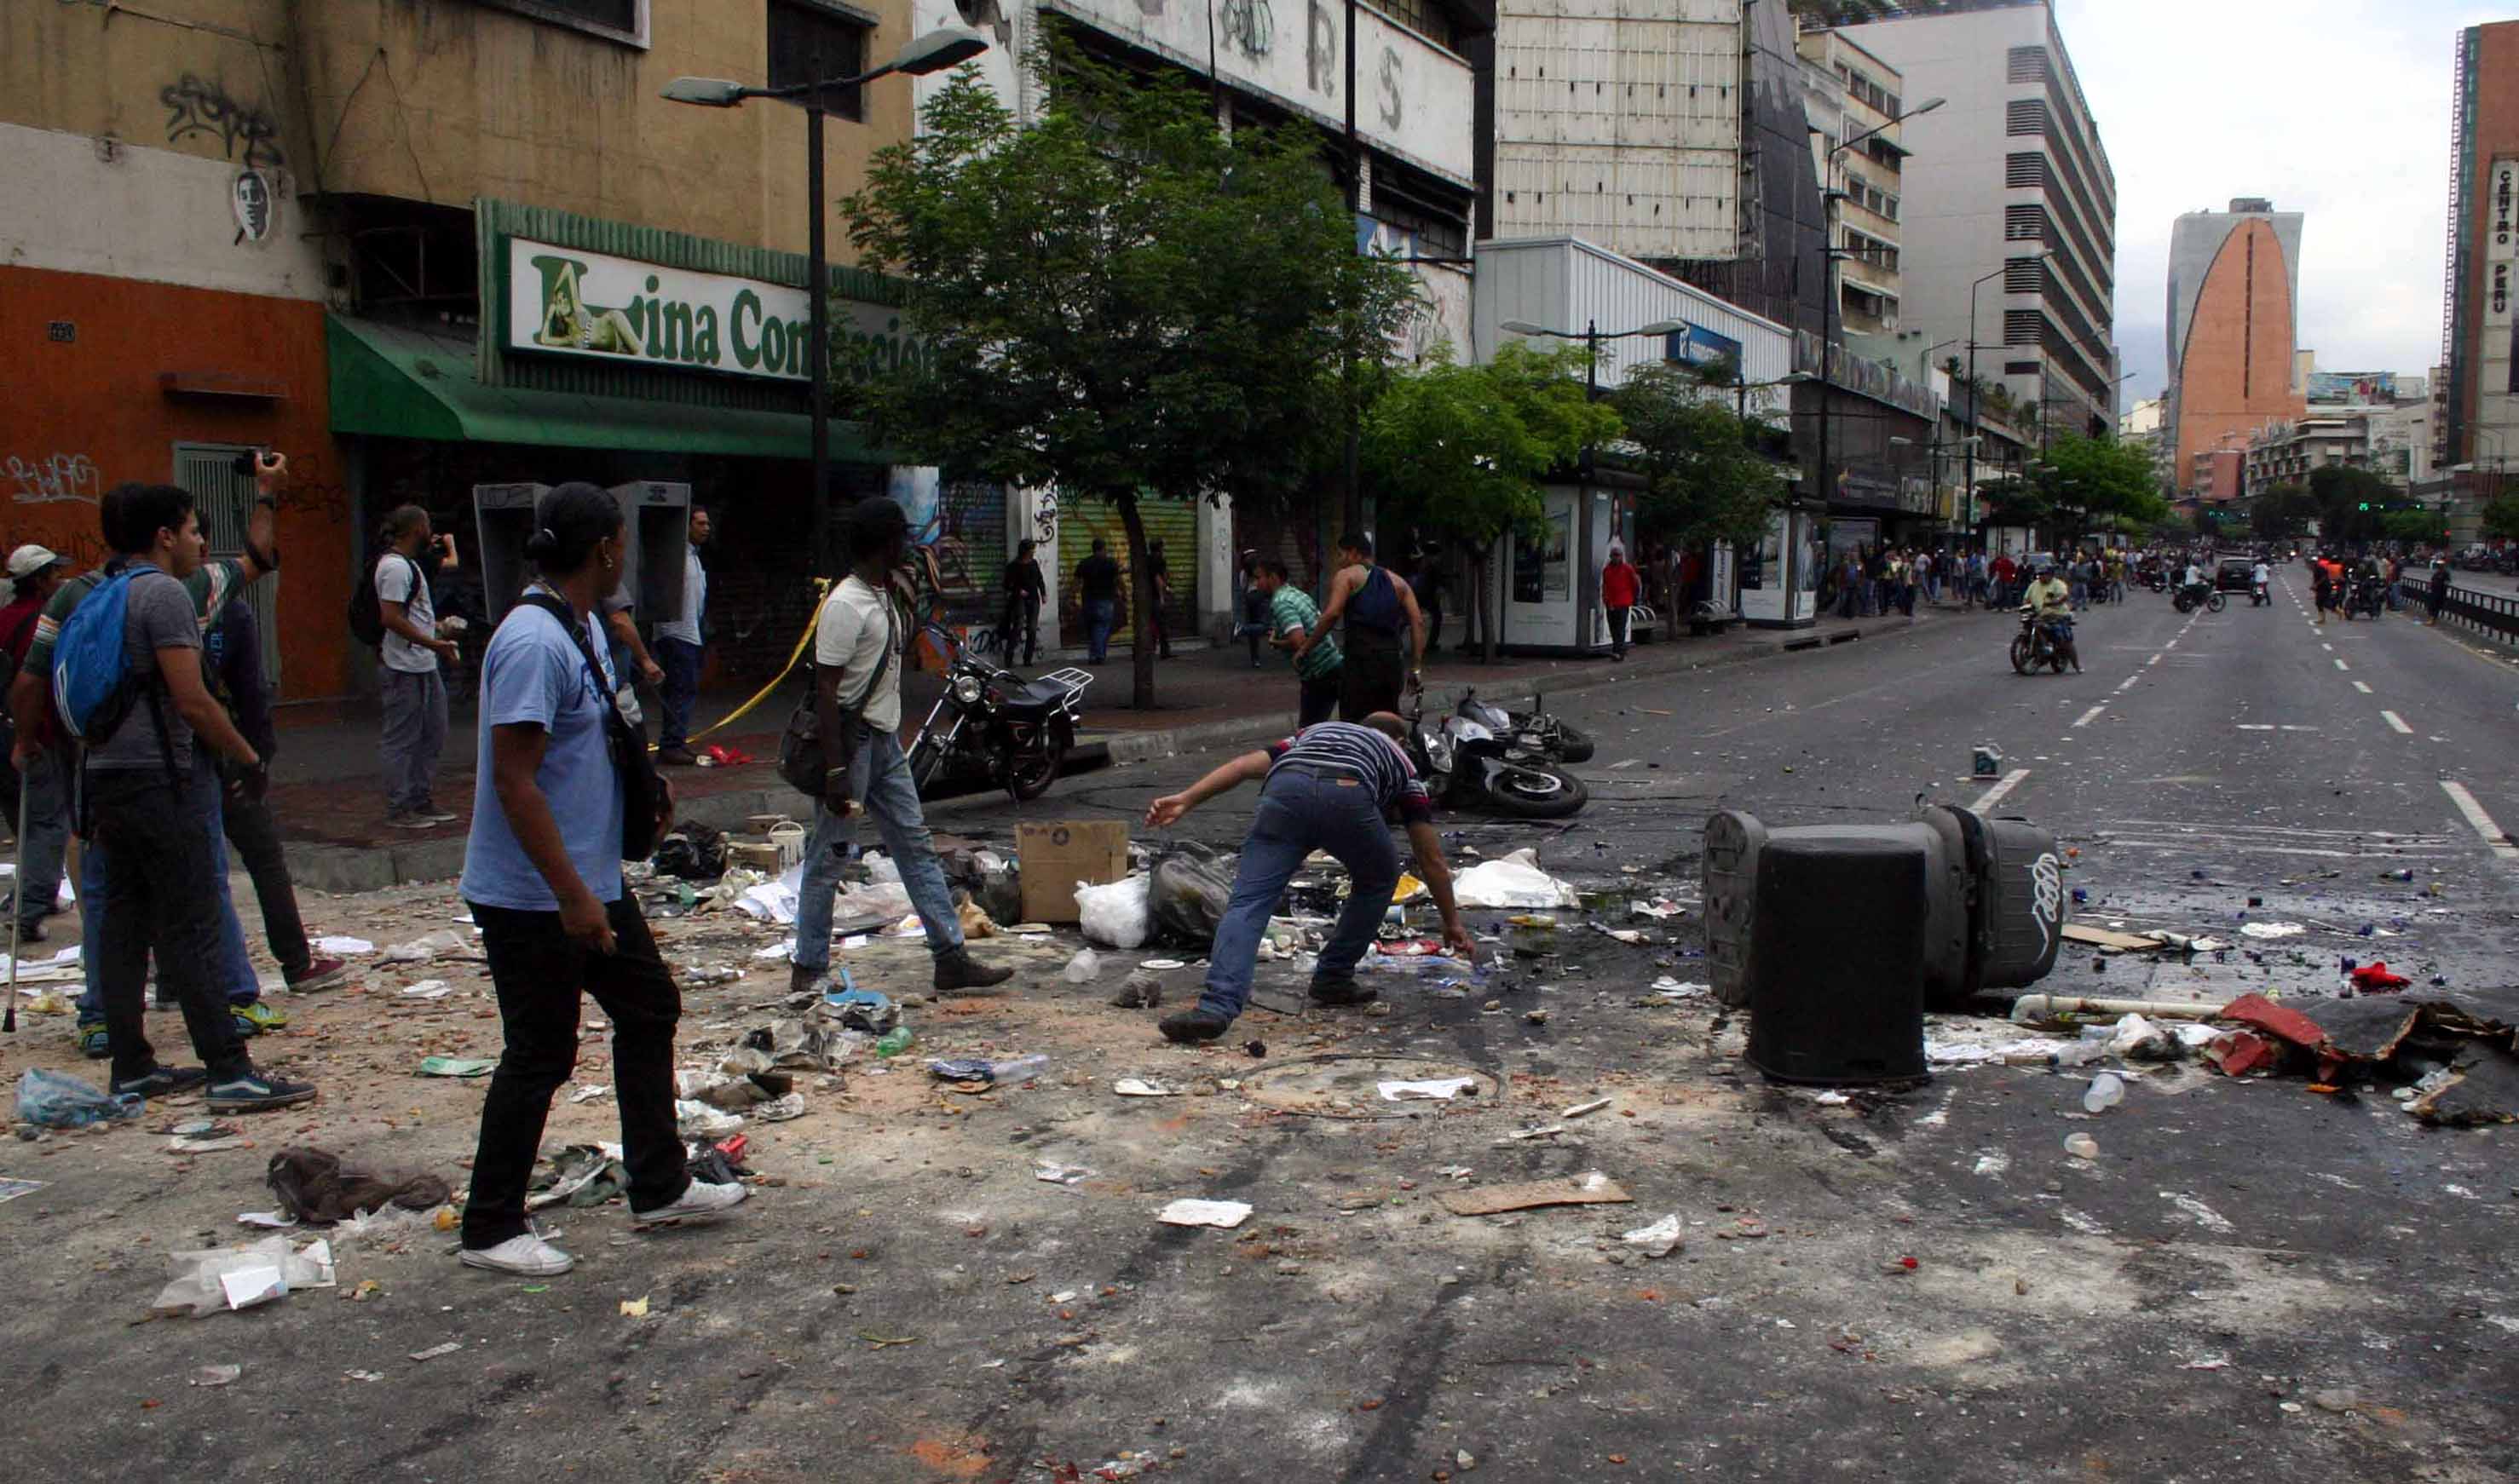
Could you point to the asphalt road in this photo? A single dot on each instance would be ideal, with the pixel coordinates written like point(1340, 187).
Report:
point(2250, 1283)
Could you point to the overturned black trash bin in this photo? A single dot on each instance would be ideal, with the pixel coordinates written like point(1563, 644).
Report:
point(1837, 936)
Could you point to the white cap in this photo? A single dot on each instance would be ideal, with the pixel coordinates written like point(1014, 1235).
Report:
point(29, 560)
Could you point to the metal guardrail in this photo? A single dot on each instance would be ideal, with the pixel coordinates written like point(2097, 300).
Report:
point(2489, 613)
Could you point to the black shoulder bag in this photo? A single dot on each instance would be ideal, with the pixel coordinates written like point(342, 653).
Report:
point(805, 756)
point(641, 791)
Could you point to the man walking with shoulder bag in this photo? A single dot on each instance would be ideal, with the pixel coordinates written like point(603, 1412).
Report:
point(858, 648)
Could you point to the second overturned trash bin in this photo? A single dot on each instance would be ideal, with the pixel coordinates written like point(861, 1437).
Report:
point(1839, 993)
point(1953, 901)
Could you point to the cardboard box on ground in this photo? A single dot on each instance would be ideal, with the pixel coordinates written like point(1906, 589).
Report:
point(1054, 857)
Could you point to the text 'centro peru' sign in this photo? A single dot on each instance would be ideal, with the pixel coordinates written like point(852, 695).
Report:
point(571, 302)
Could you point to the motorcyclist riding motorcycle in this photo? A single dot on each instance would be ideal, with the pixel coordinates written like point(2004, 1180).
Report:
point(2260, 578)
point(2049, 604)
point(2192, 581)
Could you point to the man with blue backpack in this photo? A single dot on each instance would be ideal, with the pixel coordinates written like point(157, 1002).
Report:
point(124, 659)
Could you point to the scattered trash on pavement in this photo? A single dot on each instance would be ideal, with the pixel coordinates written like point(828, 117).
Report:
point(314, 1186)
point(435, 1351)
point(1591, 1188)
point(2271, 930)
point(428, 947)
point(1138, 1087)
point(58, 1100)
point(1084, 968)
point(2081, 1146)
point(1432, 1089)
point(1115, 915)
point(216, 1279)
point(1222, 1214)
point(1658, 1240)
point(1579, 1109)
point(214, 1376)
point(341, 945)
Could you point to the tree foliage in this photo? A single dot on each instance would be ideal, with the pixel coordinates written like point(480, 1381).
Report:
point(2283, 512)
point(2501, 517)
point(1121, 301)
point(2094, 482)
point(2414, 527)
point(2351, 503)
point(2014, 502)
point(1704, 478)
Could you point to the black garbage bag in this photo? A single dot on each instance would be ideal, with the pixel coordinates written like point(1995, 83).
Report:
point(693, 852)
point(1186, 894)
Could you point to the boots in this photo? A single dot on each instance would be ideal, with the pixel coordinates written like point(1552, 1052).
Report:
point(959, 971)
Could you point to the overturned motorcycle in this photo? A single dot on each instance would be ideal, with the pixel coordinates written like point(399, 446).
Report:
point(1533, 736)
point(1467, 763)
point(993, 726)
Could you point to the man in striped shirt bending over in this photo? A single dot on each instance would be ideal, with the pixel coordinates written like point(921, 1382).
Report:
point(1330, 787)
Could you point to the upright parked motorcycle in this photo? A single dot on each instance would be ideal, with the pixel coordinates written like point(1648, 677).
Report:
point(1466, 763)
point(996, 726)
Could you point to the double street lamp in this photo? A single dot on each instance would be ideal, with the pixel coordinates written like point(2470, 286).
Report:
point(933, 52)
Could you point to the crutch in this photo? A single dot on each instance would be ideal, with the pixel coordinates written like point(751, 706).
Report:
point(18, 905)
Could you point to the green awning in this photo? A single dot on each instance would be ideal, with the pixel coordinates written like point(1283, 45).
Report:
point(397, 381)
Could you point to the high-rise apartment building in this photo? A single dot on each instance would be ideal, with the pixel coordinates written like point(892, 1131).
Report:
point(2009, 207)
point(2480, 409)
point(2234, 322)
point(1850, 94)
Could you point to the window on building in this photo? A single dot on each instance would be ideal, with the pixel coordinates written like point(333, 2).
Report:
point(620, 20)
point(810, 42)
point(1427, 17)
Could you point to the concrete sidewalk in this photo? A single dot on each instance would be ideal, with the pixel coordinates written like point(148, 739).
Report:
point(325, 795)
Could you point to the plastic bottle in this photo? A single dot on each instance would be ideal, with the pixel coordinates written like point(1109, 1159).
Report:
point(895, 1041)
point(2106, 1091)
point(1083, 968)
point(1018, 1068)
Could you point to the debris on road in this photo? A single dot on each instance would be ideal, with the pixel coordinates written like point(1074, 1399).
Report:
point(315, 1187)
point(1222, 1214)
point(1658, 1240)
point(1591, 1188)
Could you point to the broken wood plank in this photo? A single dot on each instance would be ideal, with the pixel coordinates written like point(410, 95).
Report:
point(1591, 1188)
point(2114, 943)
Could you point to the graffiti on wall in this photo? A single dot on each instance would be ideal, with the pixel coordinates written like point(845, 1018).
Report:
point(1386, 99)
point(1320, 48)
point(1249, 26)
point(198, 106)
point(53, 480)
point(1045, 517)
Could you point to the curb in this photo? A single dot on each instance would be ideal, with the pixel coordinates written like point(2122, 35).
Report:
point(346, 870)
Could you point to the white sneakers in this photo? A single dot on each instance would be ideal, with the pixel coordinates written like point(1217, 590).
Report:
point(530, 1256)
point(527, 1256)
point(698, 1198)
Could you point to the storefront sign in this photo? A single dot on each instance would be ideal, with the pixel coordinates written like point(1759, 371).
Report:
point(571, 302)
point(1697, 345)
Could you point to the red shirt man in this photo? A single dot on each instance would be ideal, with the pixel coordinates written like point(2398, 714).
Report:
point(1617, 582)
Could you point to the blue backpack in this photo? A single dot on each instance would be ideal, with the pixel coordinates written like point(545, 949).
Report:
point(93, 686)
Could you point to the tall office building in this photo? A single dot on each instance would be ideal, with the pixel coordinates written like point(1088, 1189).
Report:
point(2011, 164)
point(2233, 329)
point(2479, 417)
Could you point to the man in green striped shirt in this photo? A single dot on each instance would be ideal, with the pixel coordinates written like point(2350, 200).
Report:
point(1291, 614)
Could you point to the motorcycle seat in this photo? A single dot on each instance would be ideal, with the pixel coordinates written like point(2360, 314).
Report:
point(1038, 695)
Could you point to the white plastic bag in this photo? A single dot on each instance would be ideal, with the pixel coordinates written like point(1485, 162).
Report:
point(1513, 883)
point(1084, 968)
point(1114, 916)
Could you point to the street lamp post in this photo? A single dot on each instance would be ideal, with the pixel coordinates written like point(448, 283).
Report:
point(1827, 273)
point(931, 52)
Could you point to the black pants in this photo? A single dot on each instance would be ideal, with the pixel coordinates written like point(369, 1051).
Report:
point(1320, 697)
point(161, 894)
point(1022, 617)
point(1369, 681)
point(1618, 629)
point(539, 972)
point(255, 835)
point(1163, 637)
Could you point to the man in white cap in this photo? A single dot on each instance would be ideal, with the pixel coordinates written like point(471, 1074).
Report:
point(34, 573)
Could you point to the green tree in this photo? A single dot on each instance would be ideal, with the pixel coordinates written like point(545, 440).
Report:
point(1704, 479)
point(2501, 517)
point(2413, 528)
point(1464, 448)
point(2283, 512)
point(2350, 502)
point(2014, 502)
point(2092, 482)
point(1121, 300)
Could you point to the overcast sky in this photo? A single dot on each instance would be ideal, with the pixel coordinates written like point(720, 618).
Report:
point(2336, 108)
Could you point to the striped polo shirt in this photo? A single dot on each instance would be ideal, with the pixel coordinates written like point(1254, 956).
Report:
point(1364, 755)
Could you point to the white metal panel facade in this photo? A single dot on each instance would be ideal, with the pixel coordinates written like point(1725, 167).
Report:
point(1561, 284)
point(1413, 97)
point(1620, 121)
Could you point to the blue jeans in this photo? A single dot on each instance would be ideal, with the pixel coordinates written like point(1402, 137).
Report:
point(679, 659)
point(884, 790)
point(1099, 614)
point(235, 967)
point(1302, 810)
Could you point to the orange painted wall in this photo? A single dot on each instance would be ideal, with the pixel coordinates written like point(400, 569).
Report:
point(2236, 374)
point(2496, 133)
point(80, 417)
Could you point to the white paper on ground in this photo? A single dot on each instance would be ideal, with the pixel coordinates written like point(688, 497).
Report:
point(426, 989)
point(1225, 1214)
point(342, 944)
point(1657, 1240)
point(1430, 1089)
point(1133, 1087)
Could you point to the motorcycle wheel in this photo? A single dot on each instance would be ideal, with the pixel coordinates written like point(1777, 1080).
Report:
point(1537, 793)
point(1572, 746)
point(2023, 654)
point(2215, 602)
point(1029, 779)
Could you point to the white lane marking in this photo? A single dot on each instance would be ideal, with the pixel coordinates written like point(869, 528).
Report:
point(2256, 727)
point(2330, 648)
point(2132, 681)
point(2173, 643)
point(2397, 724)
point(2245, 848)
point(2282, 832)
point(2483, 822)
point(1996, 795)
point(2092, 714)
point(2362, 687)
point(2340, 665)
point(2154, 660)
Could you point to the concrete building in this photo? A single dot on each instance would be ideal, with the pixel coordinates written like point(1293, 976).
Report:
point(1847, 93)
point(237, 204)
point(2480, 414)
point(2010, 168)
point(2145, 425)
point(2233, 310)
